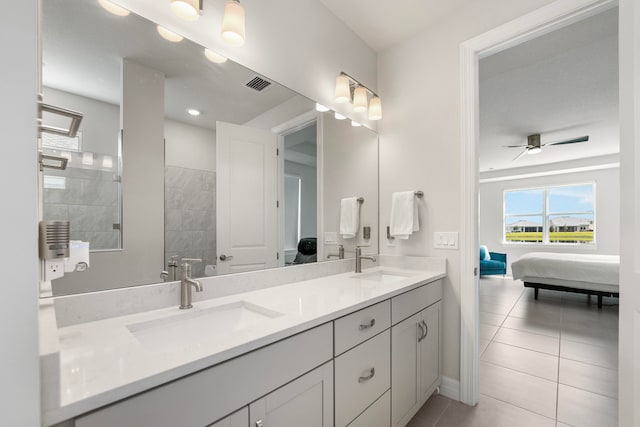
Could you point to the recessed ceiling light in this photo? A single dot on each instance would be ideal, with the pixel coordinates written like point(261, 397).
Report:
point(193, 111)
point(339, 116)
point(321, 108)
point(113, 8)
point(214, 56)
point(169, 35)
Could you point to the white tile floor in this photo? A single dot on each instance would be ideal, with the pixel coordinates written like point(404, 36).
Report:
point(550, 362)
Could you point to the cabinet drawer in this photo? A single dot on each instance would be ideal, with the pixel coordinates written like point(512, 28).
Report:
point(208, 395)
point(376, 415)
point(411, 302)
point(357, 327)
point(362, 375)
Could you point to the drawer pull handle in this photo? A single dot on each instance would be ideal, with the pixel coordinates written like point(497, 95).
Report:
point(420, 332)
point(426, 329)
point(372, 372)
point(259, 423)
point(368, 325)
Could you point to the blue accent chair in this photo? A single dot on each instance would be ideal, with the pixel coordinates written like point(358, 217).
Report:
point(492, 262)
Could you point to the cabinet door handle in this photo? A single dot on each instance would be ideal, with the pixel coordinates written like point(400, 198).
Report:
point(372, 372)
point(367, 325)
point(259, 423)
point(421, 332)
point(426, 329)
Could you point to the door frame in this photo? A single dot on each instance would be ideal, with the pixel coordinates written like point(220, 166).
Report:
point(534, 24)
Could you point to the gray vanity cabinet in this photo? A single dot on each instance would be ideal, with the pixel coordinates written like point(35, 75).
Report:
point(307, 401)
point(415, 352)
point(237, 419)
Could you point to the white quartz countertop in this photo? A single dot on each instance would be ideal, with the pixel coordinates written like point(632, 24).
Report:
point(108, 360)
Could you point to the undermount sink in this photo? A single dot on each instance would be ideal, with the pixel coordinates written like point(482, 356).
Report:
point(197, 325)
point(381, 276)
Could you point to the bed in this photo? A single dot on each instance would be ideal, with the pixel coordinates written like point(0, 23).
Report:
point(587, 274)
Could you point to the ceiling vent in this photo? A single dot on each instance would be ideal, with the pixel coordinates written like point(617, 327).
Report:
point(258, 83)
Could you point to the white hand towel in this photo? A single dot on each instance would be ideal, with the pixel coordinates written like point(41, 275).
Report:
point(404, 215)
point(349, 217)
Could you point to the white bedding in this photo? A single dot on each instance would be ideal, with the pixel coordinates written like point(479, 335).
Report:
point(597, 269)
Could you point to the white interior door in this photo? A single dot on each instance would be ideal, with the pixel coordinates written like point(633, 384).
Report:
point(246, 198)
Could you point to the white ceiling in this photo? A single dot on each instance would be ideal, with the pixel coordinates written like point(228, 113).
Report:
point(562, 85)
point(382, 24)
point(83, 56)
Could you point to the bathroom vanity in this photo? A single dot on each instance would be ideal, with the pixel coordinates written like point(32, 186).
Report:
point(343, 349)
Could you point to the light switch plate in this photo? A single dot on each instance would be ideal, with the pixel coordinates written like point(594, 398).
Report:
point(445, 240)
point(331, 237)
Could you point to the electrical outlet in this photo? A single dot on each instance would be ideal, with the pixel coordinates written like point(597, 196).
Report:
point(53, 269)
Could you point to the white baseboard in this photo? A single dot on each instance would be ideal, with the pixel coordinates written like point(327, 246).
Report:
point(450, 388)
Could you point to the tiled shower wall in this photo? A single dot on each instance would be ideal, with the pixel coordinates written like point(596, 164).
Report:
point(189, 217)
point(90, 202)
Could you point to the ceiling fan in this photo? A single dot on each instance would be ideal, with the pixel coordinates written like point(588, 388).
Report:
point(533, 145)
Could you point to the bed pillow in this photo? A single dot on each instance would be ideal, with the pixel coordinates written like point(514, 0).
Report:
point(484, 253)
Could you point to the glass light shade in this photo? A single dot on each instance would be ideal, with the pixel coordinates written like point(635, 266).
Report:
point(321, 108)
point(360, 100)
point(355, 124)
point(87, 158)
point(113, 8)
point(339, 116)
point(107, 162)
point(233, 23)
point(343, 91)
point(534, 150)
point(169, 35)
point(189, 10)
point(375, 108)
point(214, 57)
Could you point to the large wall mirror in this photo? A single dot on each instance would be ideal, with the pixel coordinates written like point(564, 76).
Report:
point(252, 178)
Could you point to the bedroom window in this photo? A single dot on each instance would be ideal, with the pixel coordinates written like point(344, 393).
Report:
point(550, 215)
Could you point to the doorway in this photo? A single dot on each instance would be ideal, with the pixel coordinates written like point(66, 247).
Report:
point(556, 15)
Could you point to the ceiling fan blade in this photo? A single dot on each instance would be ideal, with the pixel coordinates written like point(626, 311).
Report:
point(522, 153)
point(515, 146)
point(569, 141)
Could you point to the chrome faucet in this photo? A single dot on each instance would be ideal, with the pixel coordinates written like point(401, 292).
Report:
point(339, 255)
point(359, 259)
point(187, 282)
point(171, 273)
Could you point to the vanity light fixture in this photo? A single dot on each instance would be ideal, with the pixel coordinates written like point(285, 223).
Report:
point(321, 108)
point(339, 116)
point(214, 56)
point(345, 85)
point(193, 111)
point(355, 124)
point(113, 8)
point(189, 10)
point(233, 23)
point(169, 35)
